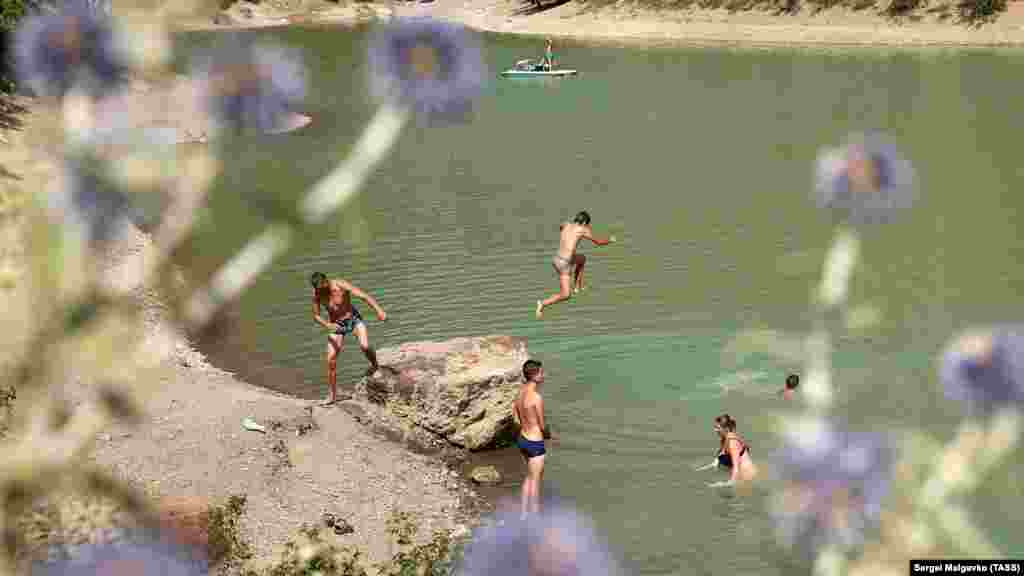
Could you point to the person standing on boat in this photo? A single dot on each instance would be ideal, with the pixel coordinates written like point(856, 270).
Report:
point(548, 63)
point(567, 262)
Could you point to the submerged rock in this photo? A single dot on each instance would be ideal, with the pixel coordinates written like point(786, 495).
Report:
point(485, 475)
point(453, 393)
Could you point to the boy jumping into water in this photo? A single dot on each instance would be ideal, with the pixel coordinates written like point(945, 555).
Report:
point(528, 412)
point(567, 261)
point(343, 318)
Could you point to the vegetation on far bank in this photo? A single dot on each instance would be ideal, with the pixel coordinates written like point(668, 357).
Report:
point(967, 12)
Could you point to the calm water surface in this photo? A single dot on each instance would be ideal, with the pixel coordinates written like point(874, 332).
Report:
point(699, 160)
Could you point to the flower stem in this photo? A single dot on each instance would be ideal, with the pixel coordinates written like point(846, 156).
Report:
point(331, 193)
point(957, 524)
point(239, 272)
point(324, 199)
point(839, 264)
point(830, 562)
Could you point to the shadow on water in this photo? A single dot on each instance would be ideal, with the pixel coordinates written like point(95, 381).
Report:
point(229, 343)
point(537, 6)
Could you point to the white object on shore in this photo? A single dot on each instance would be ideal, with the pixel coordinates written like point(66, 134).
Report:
point(250, 424)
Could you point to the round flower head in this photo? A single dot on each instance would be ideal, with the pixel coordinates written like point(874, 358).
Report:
point(86, 200)
point(248, 85)
point(865, 181)
point(985, 370)
point(433, 67)
point(833, 485)
point(556, 542)
point(146, 556)
point(53, 52)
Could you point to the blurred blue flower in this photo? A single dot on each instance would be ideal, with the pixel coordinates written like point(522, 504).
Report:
point(252, 85)
point(88, 201)
point(53, 51)
point(865, 181)
point(834, 482)
point(557, 542)
point(132, 558)
point(985, 370)
point(433, 67)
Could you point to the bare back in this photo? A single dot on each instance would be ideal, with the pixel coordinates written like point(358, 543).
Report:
point(528, 410)
point(570, 238)
point(339, 301)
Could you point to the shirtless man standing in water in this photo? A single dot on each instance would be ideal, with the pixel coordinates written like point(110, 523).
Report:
point(343, 318)
point(528, 412)
point(567, 261)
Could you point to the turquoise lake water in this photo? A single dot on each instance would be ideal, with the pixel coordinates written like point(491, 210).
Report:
point(700, 162)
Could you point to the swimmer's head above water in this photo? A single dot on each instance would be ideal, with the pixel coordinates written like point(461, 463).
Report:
point(533, 371)
point(318, 280)
point(582, 218)
point(724, 424)
point(792, 382)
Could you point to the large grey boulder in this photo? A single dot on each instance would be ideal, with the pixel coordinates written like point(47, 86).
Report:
point(434, 395)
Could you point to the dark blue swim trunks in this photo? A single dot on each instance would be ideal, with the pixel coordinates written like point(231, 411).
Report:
point(530, 448)
point(349, 324)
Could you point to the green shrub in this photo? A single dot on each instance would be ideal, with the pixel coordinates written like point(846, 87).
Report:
point(430, 559)
point(978, 11)
point(314, 557)
point(227, 546)
point(11, 12)
point(310, 555)
point(900, 7)
point(7, 398)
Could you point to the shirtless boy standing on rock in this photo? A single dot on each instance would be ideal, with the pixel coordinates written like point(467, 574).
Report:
point(567, 261)
point(528, 412)
point(343, 318)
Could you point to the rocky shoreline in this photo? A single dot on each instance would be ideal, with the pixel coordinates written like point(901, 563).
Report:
point(626, 21)
point(451, 397)
point(311, 463)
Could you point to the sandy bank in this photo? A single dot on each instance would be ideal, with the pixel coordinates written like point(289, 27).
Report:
point(310, 461)
point(625, 22)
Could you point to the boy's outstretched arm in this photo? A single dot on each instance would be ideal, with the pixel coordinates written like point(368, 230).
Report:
point(589, 235)
point(369, 300)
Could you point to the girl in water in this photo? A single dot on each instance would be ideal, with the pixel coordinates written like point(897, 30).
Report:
point(733, 452)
